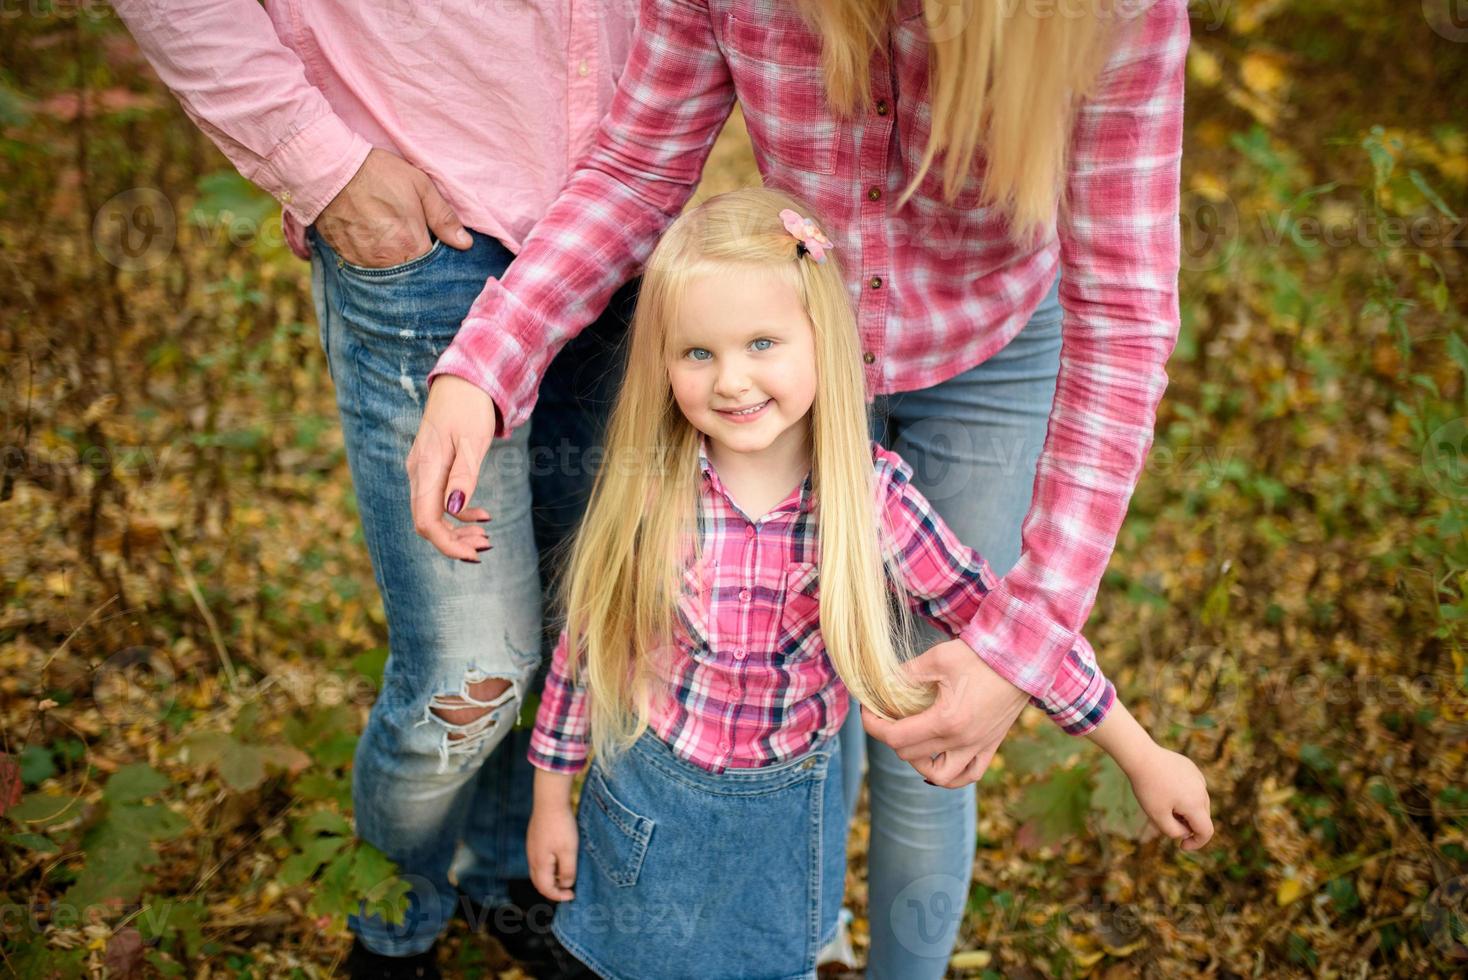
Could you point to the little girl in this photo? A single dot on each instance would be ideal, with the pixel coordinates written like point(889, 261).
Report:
point(728, 587)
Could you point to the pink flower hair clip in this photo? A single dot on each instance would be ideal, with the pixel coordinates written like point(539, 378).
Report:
point(811, 240)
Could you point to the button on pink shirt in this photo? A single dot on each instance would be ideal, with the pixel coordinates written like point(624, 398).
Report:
point(495, 101)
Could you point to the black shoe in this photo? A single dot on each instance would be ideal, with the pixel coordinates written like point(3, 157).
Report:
point(522, 926)
point(363, 964)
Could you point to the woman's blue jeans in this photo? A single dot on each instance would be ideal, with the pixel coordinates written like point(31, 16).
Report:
point(441, 783)
point(973, 442)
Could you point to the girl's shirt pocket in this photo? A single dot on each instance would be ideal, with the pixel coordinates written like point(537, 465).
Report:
point(694, 612)
point(737, 619)
point(800, 615)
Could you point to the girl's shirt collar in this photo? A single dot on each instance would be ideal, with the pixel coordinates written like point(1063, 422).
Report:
point(799, 500)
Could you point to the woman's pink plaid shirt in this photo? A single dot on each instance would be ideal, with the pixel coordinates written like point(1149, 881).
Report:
point(748, 682)
point(938, 289)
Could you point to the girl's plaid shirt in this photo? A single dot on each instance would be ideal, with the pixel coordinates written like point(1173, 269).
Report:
point(937, 288)
point(748, 682)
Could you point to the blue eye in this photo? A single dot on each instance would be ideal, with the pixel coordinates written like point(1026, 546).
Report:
point(763, 340)
point(693, 353)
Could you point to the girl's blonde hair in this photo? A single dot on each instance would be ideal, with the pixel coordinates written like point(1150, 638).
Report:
point(625, 571)
point(1003, 74)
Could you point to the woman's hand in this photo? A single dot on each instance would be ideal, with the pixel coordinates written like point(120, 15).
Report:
point(443, 466)
point(550, 844)
point(1173, 794)
point(952, 742)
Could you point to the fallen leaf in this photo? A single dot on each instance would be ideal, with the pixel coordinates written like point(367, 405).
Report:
point(971, 959)
point(124, 953)
point(1289, 890)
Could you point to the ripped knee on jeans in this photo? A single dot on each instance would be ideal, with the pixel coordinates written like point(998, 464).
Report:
point(469, 716)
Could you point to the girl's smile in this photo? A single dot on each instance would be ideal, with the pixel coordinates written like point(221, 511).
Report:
point(745, 415)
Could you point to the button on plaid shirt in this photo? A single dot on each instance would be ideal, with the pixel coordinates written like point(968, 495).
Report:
point(749, 683)
point(937, 288)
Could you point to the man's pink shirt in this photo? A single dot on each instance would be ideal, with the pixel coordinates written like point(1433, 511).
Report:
point(494, 100)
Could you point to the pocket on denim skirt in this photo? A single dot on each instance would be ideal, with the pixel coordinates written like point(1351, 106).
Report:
point(614, 836)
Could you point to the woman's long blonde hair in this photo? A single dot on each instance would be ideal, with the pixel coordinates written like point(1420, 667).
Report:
point(625, 571)
point(1003, 74)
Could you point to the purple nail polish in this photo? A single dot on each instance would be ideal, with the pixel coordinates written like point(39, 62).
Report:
point(456, 501)
point(488, 547)
point(470, 561)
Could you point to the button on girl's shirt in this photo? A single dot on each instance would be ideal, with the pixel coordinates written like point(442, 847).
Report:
point(749, 530)
point(739, 653)
point(743, 595)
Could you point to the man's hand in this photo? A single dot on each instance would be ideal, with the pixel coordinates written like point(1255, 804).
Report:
point(952, 742)
point(443, 466)
point(382, 217)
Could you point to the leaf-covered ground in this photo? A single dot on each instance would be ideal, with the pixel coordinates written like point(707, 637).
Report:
point(190, 637)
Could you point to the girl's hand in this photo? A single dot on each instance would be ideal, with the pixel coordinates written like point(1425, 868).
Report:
point(550, 845)
point(1173, 794)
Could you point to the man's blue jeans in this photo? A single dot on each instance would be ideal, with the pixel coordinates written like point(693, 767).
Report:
point(973, 442)
point(441, 783)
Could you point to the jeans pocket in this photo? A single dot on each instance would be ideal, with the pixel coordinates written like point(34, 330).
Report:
point(323, 247)
point(614, 836)
point(366, 272)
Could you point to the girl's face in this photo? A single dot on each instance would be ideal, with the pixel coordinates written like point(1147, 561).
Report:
point(742, 363)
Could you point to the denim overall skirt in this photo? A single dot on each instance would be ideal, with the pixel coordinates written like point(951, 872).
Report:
point(686, 873)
